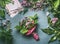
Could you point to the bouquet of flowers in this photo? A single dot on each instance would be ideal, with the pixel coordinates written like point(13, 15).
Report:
point(28, 26)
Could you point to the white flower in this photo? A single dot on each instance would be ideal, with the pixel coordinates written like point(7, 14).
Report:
point(27, 23)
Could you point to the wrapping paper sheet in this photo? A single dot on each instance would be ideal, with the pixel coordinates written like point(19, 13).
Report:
point(14, 8)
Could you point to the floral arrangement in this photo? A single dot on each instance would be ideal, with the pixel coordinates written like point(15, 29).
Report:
point(54, 23)
point(28, 26)
point(32, 5)
point(35, 4)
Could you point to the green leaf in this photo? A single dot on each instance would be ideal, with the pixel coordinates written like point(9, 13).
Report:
point(58, 36)
point(35, 16)
point(2, 13)
point(23, 31)
point(36, 21)
point(53, 38)
point(56, 4)
point(49, 19)
point(48, 31)
point(18, 27)
point(2, 4)
point(25, 10)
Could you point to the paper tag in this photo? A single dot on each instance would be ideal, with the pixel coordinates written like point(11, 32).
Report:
point(14, 8)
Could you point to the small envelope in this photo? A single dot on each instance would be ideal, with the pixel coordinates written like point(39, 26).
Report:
point(14, 8)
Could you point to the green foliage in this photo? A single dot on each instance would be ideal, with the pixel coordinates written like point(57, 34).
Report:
point(48, 31)
point(35, 18)
point(2, 5)
point(24, 11)
point(56, 4)
point(55, 9)
point(49, 19)
point(2, 14)
point(24, 31)
point(4, 2)
point(55, 32)
point(5, 33)
point(53, 38)
point(18, 27)
point(6, 36)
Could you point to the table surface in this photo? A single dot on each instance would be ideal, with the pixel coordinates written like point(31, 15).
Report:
point(43, 23)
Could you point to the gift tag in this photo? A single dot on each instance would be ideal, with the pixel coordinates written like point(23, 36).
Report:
point(14, 8)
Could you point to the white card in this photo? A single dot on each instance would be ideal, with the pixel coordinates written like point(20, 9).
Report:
point(14, 8)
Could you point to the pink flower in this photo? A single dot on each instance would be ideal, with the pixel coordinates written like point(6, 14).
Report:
point(54, 20)
point(35, 36)
point(28, 23)
point(37, 4)
point(29, 4)
point(24, 2)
